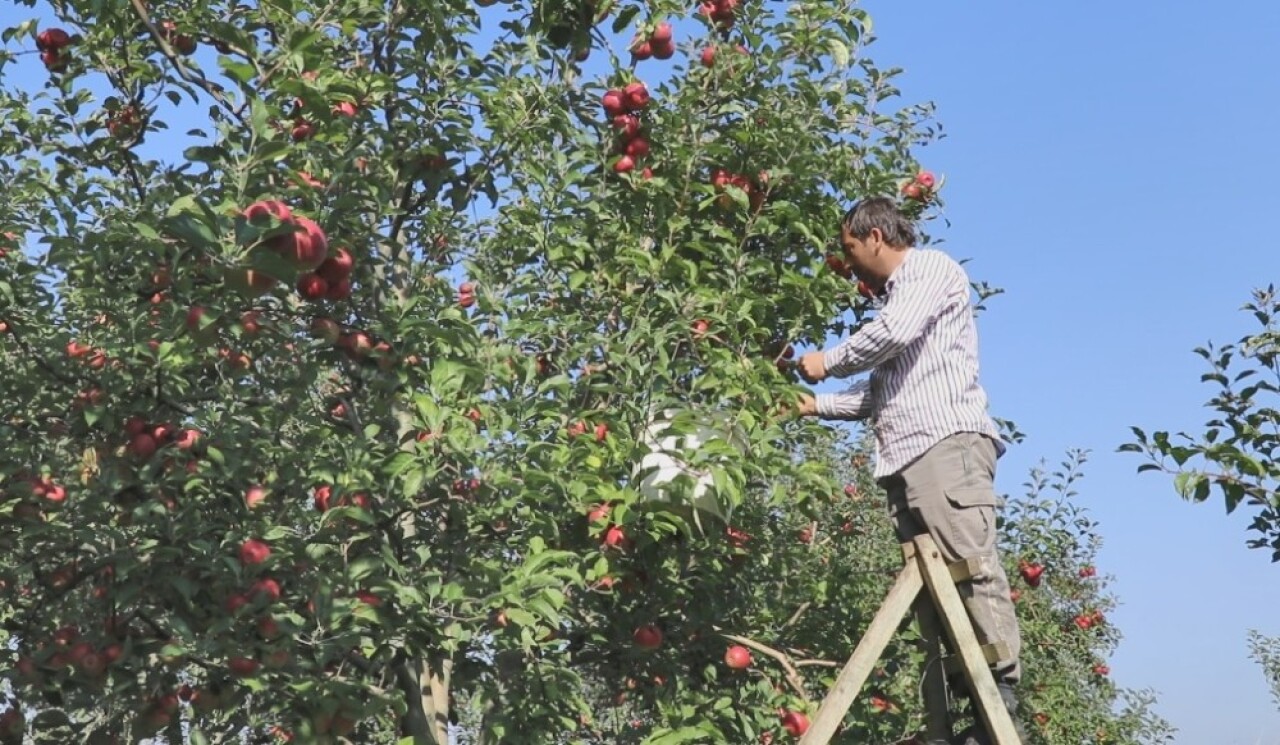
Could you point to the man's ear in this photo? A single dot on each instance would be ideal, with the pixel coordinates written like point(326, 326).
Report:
point(876, 239)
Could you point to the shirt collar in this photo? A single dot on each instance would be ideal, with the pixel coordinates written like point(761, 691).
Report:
point(893, 277)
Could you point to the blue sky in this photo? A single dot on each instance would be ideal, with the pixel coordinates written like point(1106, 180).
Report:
point(1108, 166)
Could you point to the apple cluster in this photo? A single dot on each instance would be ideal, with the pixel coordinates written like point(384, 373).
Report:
point(183, 44)
point(755, 189)
point(659, 45)
point(145, 438)
point(306, 248)
point(921, 188)
point(52, 42)
point(623, 107)
point(719, 12)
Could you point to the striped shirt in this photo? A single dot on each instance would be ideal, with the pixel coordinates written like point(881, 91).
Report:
point(922, 351)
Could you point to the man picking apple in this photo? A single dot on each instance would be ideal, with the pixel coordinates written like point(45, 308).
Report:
point(936, 445)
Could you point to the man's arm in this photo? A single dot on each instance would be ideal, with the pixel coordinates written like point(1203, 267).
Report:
point(853, 403)
point(917, 298)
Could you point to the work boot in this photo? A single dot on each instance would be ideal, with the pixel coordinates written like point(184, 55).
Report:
point(976, 734)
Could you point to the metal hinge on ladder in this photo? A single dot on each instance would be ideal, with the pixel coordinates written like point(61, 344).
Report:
point(925, 568)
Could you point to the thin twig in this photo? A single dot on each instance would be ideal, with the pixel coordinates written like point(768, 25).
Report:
point(793, 676)
point(139, 6)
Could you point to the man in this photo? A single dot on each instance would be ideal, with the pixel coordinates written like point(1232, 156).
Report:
point(936, 445)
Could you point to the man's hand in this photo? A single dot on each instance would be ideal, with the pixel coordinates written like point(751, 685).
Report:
point(812, 367)
point(808, 406)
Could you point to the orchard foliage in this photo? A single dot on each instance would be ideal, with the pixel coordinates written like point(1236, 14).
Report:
point(1236, 453)
point(331, 334)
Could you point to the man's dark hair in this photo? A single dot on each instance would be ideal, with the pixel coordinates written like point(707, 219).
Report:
point(882, 213)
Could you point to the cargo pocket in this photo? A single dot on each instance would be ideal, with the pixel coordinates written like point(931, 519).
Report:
point(972, 520)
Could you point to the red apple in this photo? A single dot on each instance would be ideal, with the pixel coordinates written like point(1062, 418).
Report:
point(327, 329)
point(737, 657)
point(635, 96)
point(1031, 572)
point(306, 247)
point(92, 664)
point(186, 439)
point(662, 33)
point(312, 286)
point(638, 147)
point(628, 125)
point(357, 344)
point(53, 61)
point(345, 108)
point(321, 497)
point(340, 290)
point(795, 723)
point(336, 267)
point(302, 130)
point(254, 551)
point(709, 56)
point(12, 724)
point(648, 636)
point(249, 322)
point(242, 667)
point(142, 445)
point(262, 212)
point(235, 602)
point(625, 164)
point(266, 589)
point(254, 496)
point(602, 432)
point(52, 39)
point(615, 537)
point(268, 628)
point(613, 102)
point(195, 319)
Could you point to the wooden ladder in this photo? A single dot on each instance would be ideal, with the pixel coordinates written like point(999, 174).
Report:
point(924, 567)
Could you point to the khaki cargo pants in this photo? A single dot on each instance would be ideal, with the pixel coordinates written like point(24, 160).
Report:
point(949, 492)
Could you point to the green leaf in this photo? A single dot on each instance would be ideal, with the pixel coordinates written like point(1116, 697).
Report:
point(839, 53)
point(1187, 484)
point(241, 72)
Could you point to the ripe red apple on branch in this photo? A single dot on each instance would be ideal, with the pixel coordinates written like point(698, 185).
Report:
point(1031, 572)
point(647, 637)
point(737, 657)
point(794, 722)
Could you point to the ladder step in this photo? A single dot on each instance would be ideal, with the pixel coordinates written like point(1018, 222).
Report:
point(965, 569)
point(992, 653)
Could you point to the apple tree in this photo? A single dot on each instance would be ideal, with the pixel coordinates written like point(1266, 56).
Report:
point(1236, 452)
point(337, 338)
point(333, 334)
point(1050, 545)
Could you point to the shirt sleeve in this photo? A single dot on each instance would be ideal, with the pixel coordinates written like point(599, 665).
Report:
point(919, 295)
point(852, 403)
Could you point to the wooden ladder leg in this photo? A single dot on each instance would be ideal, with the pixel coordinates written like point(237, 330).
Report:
point(934, 676)
point(855, 672)
point(982, 683)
